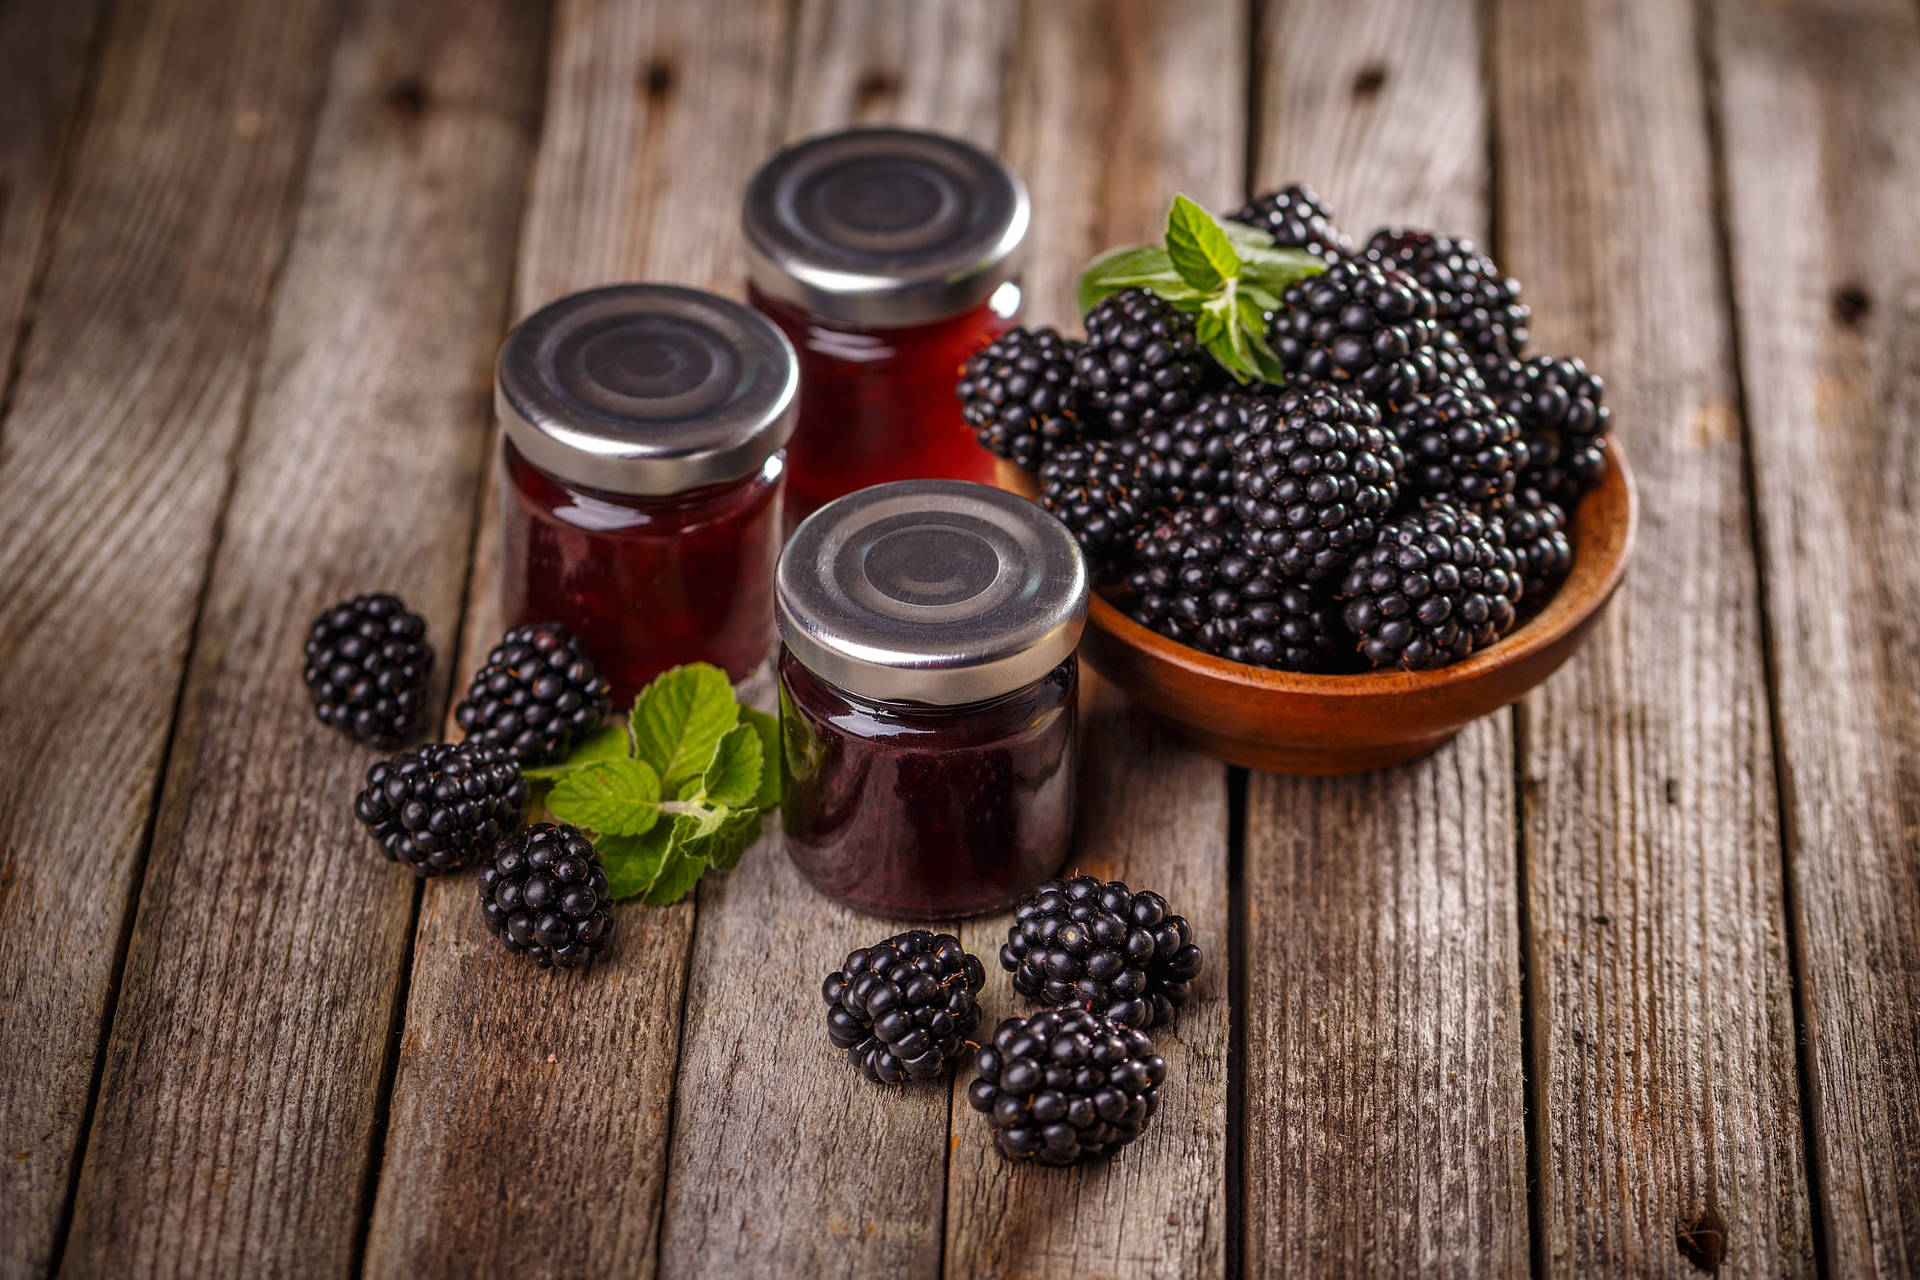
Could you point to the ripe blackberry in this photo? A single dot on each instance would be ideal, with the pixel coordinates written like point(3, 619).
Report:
point(538, 693)
point(1189, 458)
point(1102, 947)
point(1536, 532)
point(1435, 585)
point(1018, 395)
point(1140, 365)
point(1362, 323)
point(1457, 444)
point(1563, 419)
point(440, 806)
point(1066, 1085)
point(1316, 475)
point(903, 1008)
point(1475, 301)
point(1296, 219)
point(366, 670)
point(1100, 493)
point(545, 894)
point(1198, 584)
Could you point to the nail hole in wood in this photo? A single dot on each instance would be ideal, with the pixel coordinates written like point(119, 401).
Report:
point(876, 86)
point(1673, 791)
point(1703, 1241)
point(657, 79)
point(1851, 303)
point(408, 95)
point(1369, 80)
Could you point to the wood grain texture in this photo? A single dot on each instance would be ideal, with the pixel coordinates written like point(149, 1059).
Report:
point(655, 116)
point(1103, 157)
point(235, 1123)
point(1385, 1106)
point(113, 463)
point(1663, 1041)
point(1819, 107)
point(929, 64)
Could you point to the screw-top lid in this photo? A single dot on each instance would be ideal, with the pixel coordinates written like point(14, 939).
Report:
point(646, 388)
point(884, 226)
point(933, 591)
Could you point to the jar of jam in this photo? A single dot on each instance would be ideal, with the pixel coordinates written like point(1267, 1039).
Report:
point(643, 434)
point(889, 257)
point(927, 697)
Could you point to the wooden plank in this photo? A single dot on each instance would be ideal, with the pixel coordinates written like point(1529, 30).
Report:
point(1663, 1055)
point(857, 1182)
point(1103, 153)
point(1385, 1127)
point(655, 116)
point(235, 1125)
point(131, 392)
point(1818, 105)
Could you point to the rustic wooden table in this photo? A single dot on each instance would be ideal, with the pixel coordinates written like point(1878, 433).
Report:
point(1626, 981)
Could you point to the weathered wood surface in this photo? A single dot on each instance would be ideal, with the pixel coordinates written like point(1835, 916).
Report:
point(1384, 1110)
point(1663, 1063)
point(1819, 108)
point(132, 389)
point(245, 1066)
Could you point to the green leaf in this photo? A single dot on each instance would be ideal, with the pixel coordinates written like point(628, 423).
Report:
point(678, 721)
point(1246, 238)
point(768, 727)
point(608, 742)
point(733, 776)
point(1275, 269)
point(680, 868)
point(1141, 267)
point(609, 797)
point(735, 834)
point(633, 863)
point(1198, 246)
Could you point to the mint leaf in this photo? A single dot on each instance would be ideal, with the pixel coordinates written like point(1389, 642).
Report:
point(733, 776)
point(1140, 267)
point(1198, 246)
point(728, 841)
point(633, 863)
point(678, 720)
point(609, 797)
point(768, 727)
point(680, 869)
point(608, 742)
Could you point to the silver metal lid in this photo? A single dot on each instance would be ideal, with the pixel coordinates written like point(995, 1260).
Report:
point(933, 591)
point(646, 388)
point(884, 227)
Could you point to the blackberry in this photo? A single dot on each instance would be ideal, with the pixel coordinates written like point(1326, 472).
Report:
point(1362, 323)
point(1100, 492)
point(1457, 444)
point(1189, 458)
point(1018, 395)
point(1475, 301)
point(1101, 947)
point(1198, 584)
point(1296, 219)
point(440, 806)
point(1535, 527)
point(538, 694)
point(1141, 364)
point(903, 1008)
point(1435, 585)
point(366, 670)
point(545, 895)
point(1560, 406)
point(1315, 476)
point(1066, 1085)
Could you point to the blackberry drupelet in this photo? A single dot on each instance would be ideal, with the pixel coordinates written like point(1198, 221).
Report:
point(1457, 444)
point(537, 695)
point(367, 667)
point(1475, 301)
point(1560, 406)
point(1435, 585)
point(1102, 947)
point(1018, 395)
point(1316, 475)
point(1362, 323)
point(1536, 532)
point(440, 806)
point(545, 895)
point(1190, 457)
point(1296, 219)
point(1100, 492)
point(903, 1008)
point(1066, 1085)
point(1140, 366)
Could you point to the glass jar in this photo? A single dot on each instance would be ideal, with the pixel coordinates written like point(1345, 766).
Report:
point(928, 702)
point(642, 469)
point(888, 257)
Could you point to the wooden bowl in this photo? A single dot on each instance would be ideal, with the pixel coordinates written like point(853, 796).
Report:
point(1285, 722)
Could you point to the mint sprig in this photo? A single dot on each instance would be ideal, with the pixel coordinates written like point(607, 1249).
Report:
point(1227, 275)
point(680, 789)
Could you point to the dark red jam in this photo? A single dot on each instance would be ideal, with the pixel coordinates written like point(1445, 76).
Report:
point(878, 404)
point(647, 582)
point(923, 812)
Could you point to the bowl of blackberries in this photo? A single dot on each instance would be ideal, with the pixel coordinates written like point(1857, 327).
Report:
point(1334, 507)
